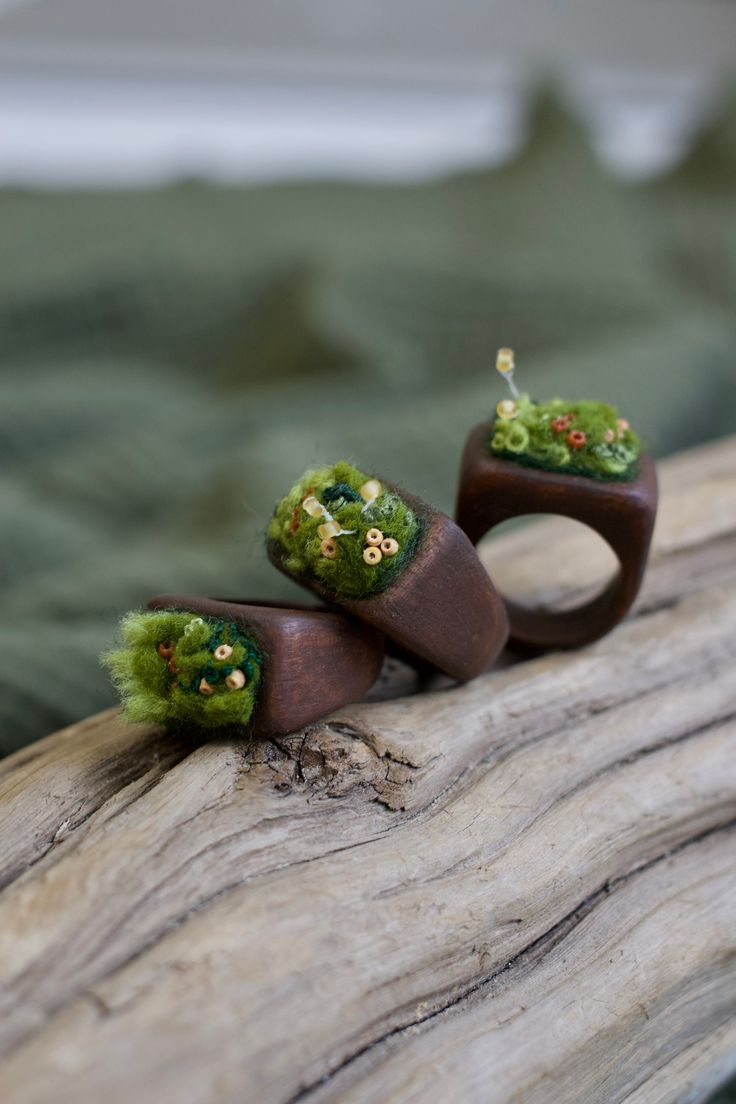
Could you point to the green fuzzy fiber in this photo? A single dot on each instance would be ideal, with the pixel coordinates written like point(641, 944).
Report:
point(148, 690)
point(348, 575)
point(530, 439)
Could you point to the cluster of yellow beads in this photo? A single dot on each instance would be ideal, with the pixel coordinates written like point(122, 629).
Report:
point(377, 546)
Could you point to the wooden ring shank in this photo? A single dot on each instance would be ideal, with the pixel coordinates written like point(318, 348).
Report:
point(442, 608)
point(314, 662)
point(493, 490)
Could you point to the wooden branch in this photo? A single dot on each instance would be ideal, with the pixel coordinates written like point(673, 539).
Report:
point(518, 890)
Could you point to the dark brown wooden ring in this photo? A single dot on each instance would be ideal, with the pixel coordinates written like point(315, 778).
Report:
point(493, 490)
point(443, 607)
point(313, 661)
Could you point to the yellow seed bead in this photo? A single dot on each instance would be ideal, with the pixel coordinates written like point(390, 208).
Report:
point(373, 536)
point(507, 410)
point(313, 507)
point(371, 489)
point(372, 555)
point(505, 361)
point(223, 651)
point(389, 546)
point(329, 529)
point(328, 548)
point(205, 688)
point(235, 680)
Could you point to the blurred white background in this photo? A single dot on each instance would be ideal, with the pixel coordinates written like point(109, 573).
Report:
point(108, 93)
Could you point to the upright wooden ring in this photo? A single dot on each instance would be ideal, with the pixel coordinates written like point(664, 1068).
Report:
point(493, 489)
point(313, 662)
point(443, 607)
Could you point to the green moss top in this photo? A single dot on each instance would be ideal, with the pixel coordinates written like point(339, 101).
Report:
point(340, 527)
point(176, 668)
point(582, 438)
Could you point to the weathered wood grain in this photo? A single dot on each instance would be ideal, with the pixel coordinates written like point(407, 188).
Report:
point(520, 889)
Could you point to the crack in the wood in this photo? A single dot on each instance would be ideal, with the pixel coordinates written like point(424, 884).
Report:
point(238, 883)
point(584, 783)
point(494, 758)
point(437, 798)
point(328, 765)
point(536, 950)
point(368, 739)
point(147, 765)
point(502, 755)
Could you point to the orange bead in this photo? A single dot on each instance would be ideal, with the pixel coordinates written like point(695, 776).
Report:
point(166, 649)
point(328, 548)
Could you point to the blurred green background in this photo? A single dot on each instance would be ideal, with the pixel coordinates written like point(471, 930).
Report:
point(172, 359)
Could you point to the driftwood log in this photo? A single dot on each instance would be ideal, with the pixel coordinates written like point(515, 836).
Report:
point(523, 889)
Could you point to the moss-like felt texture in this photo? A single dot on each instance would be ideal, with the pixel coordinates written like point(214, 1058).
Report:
point(150, 691)
point(337, 487)
point(582, 438)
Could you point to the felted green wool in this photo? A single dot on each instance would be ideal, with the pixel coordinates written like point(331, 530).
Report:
point(337, 488)
point(150, 691)
point(583, 438)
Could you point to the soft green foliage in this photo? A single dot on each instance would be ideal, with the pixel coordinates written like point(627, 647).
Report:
point(338, 489)
point(150, 692)
point(539, 435)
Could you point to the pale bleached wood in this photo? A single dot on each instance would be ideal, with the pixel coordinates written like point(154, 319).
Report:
point(417, 896)
point(642, 928)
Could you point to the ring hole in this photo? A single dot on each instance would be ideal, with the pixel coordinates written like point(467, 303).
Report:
point(545, 562)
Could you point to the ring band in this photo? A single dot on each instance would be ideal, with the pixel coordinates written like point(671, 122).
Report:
point(303, 663)
point(494, 489)
point(439, 604)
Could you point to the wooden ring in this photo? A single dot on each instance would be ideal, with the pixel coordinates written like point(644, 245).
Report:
point(493, 490)
point(314, 662)
point(443, 606)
